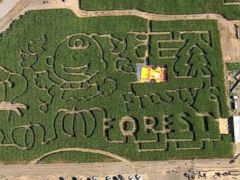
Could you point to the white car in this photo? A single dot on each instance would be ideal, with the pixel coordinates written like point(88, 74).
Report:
point(130, 178)
point(138, 177)
point(108, 178)
point(235, 102)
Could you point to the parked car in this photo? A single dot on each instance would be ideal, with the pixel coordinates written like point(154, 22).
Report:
point(108, 178)
point(115, 178)
point(234, 102)
point(120, 177)
point(130, 178)
point(94, 178)
point(138, 177)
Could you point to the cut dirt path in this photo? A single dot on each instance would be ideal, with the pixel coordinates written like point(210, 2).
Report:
point(84, 150)
point(16, 107)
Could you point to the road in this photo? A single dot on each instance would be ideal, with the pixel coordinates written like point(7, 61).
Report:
point(6, 6)
point(12, 14)
point(149, 170)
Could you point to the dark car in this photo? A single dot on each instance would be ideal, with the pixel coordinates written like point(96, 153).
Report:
point(115, 178)
point(120, 177)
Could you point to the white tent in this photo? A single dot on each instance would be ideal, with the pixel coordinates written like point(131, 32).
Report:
point(236, 125)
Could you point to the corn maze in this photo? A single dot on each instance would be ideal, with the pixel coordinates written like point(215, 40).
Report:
point(230, 9)
point(74, 86)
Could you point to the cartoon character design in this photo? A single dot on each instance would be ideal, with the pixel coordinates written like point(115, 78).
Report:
point(76, 65)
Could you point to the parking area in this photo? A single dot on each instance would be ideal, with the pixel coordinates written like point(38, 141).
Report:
point(101, 171)
point(167, 170)
point(110, 177)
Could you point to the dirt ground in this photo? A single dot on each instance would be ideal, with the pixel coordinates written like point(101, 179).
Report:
point(172, 170)
point(6, 106)
point(5, 6)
